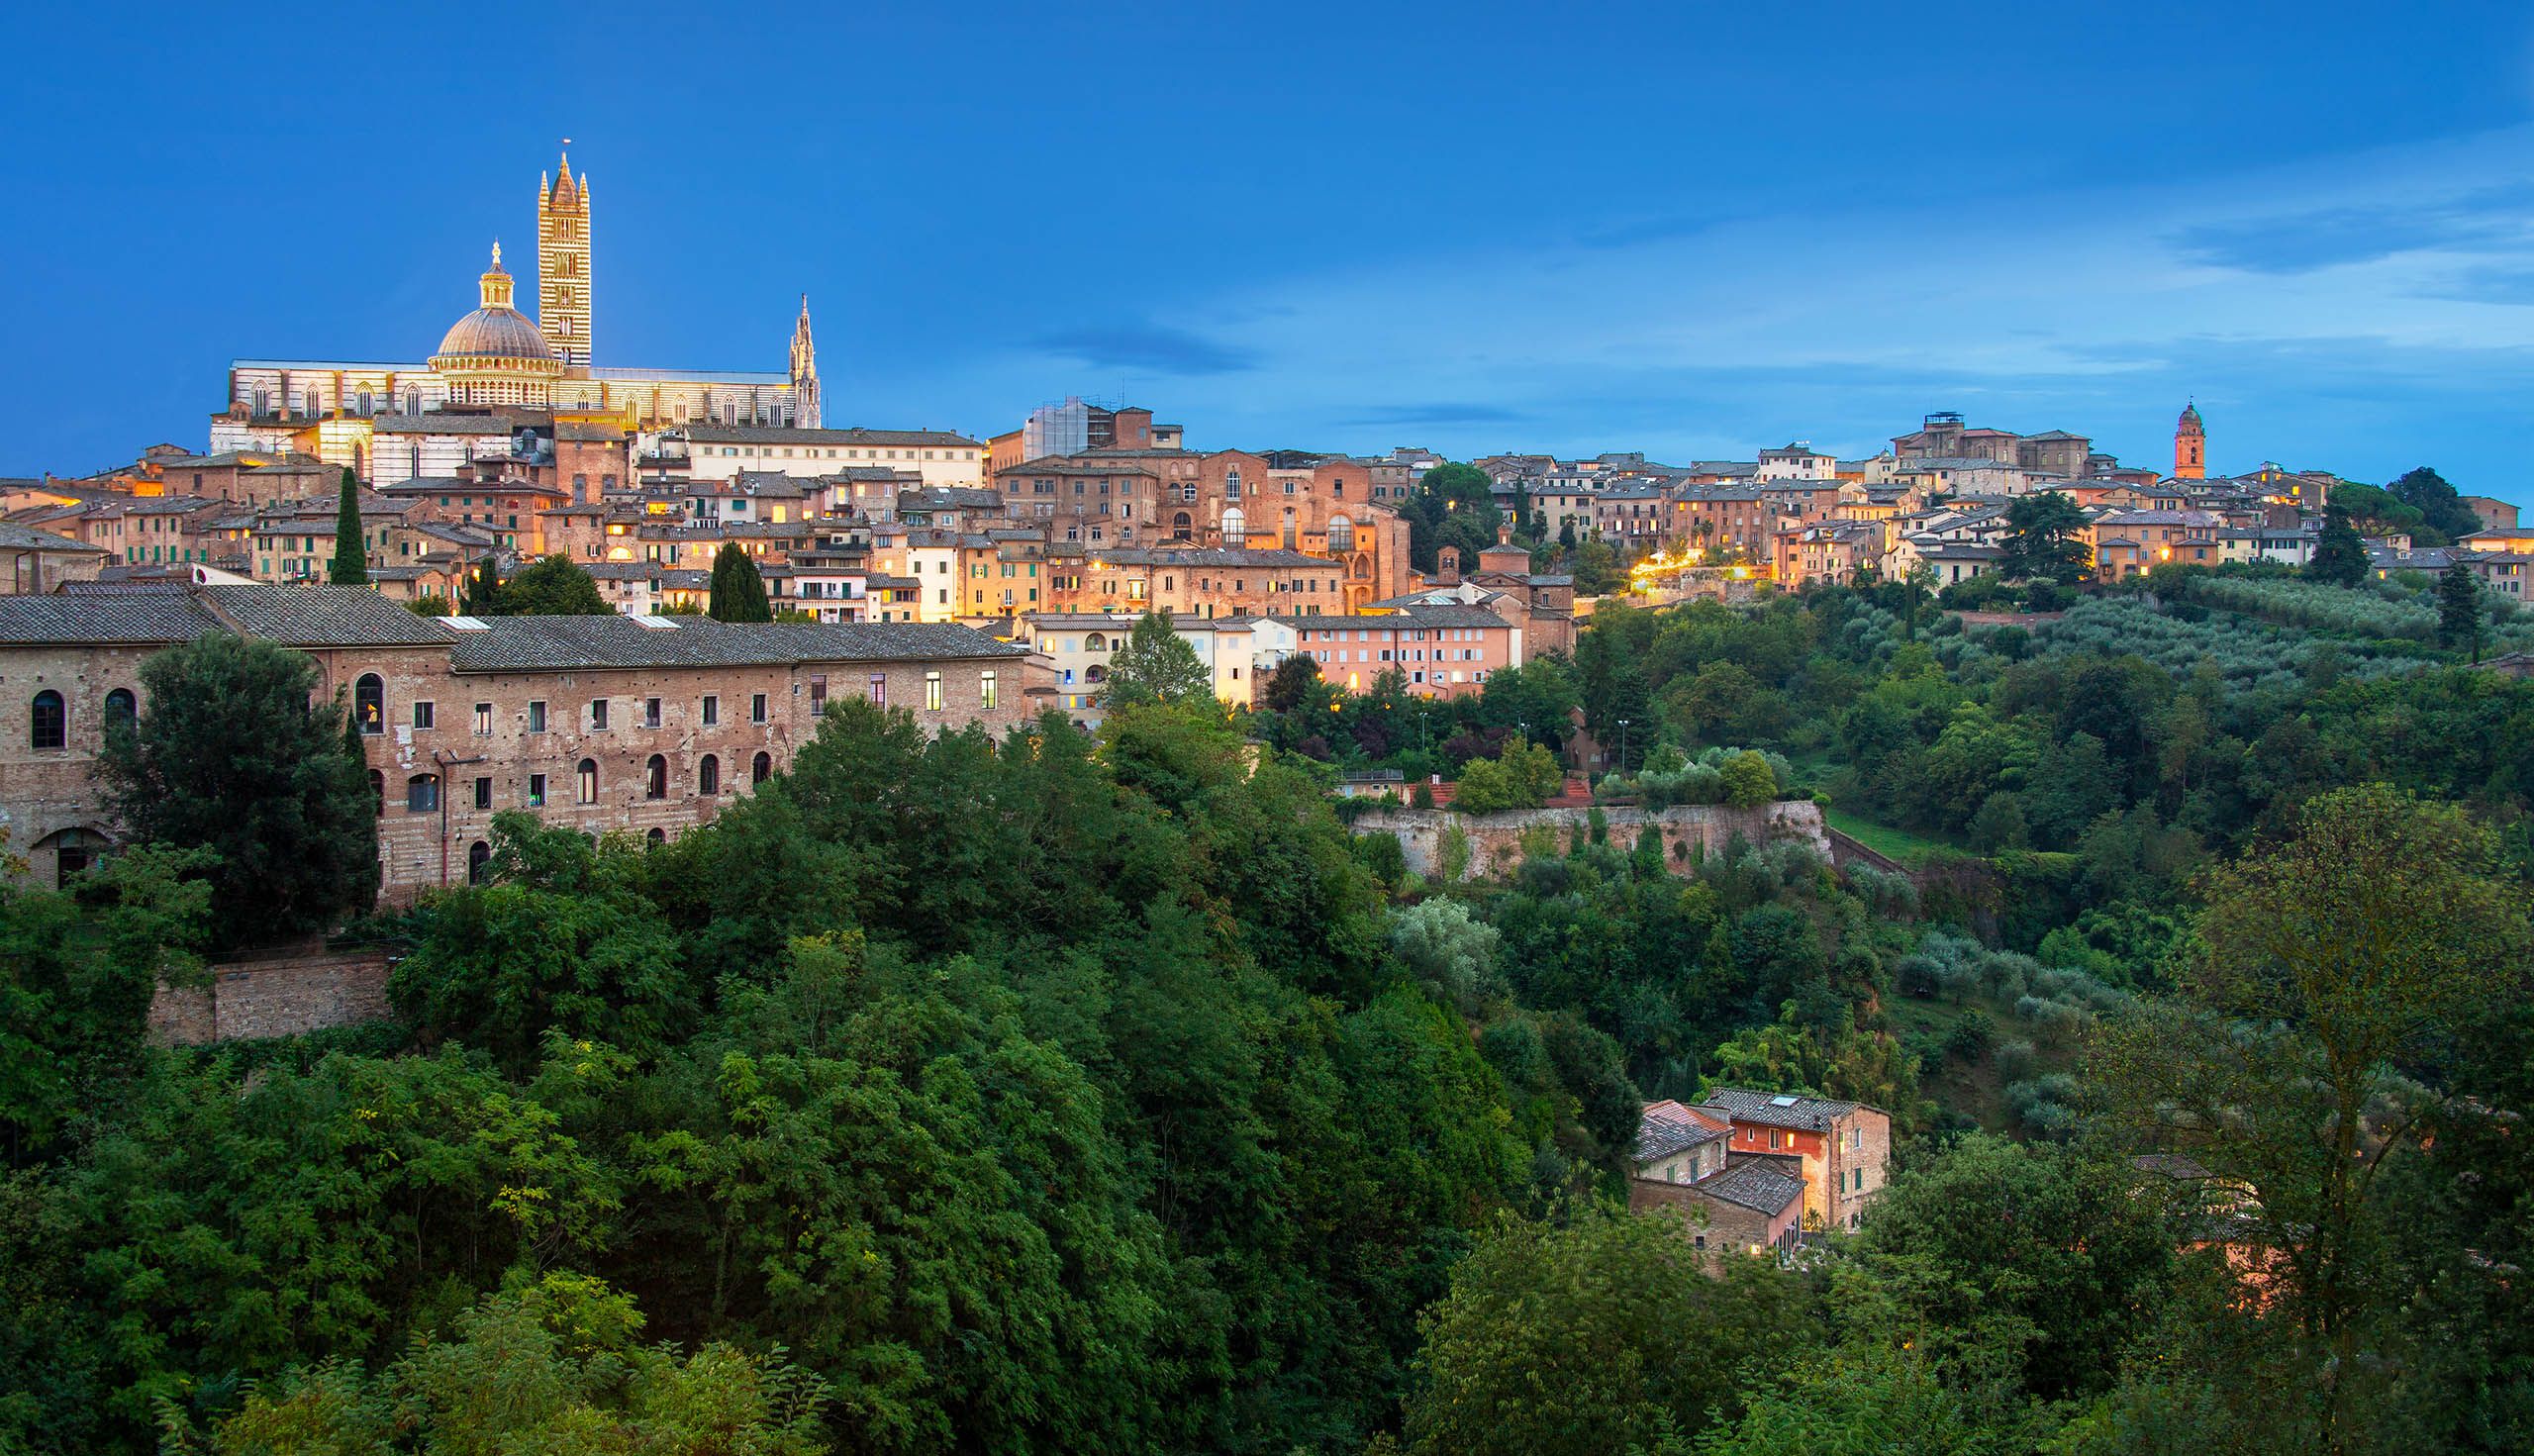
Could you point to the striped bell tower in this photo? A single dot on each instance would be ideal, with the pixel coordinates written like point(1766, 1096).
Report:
point(563, 264)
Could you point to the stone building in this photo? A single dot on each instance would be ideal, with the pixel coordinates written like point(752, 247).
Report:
point(1841, 1149)
point(598, 723)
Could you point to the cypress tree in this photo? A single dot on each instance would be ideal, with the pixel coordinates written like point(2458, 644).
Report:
point(739, 591)
point(2340, 556)
point(352, 552)
point(2459, 610)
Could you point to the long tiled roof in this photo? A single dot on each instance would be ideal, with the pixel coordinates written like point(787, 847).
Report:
point(141, 617)
point(27, 539)
point(1658, 1138)
point(320, 615)
point(1778, 1109)
point(543, 643)
point(1753, 1184)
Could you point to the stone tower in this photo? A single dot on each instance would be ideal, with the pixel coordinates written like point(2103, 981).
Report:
point(563, 264)
point(2191, 445)
point(804, 371)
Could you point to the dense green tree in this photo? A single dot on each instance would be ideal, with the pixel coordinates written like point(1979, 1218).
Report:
point(2039, 1254)
point(350, 565)
point(2440, 507)
point(479, 592)
point(231, 757)
point(1285, 686)
point(2045, 541)
point(2326, 965)
point(2459, 610)
point(2340, 558)
point(557, 944)
point(1607, 1334)
point(1157, 665)
point(552, 586)
point(738, 590)
point(1749, 781)
point(550, 1368)
point(81, 971)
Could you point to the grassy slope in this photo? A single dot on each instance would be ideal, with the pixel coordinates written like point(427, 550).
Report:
point(1900, 844)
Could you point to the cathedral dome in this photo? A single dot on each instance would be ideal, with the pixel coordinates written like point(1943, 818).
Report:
point(496, 355)
point(497, 331)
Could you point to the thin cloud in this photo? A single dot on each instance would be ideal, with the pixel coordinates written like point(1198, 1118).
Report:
point(1149, 348)
point(2304, 243)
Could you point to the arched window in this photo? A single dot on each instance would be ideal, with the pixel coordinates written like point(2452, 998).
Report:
point(421, 793)
point(1236, 527)
point(369, 704)
point(1341, 533)
point(655, 778)
point(1094, 643)
point(657, 837)
point(51, 721)
point(1231, 484)
point(121, 707)
point(479, 863)
point(588, 785)
point(708, 775)
point(762, 769)
point(1183, 525)
point(308, 398)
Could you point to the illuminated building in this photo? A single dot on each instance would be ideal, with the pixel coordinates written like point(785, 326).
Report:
point(497, 357)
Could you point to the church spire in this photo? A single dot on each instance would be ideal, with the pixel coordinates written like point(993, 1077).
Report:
point(805, 370)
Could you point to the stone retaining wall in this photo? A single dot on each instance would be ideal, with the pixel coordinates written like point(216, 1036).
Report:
point(274, 996)
point(1495, 839)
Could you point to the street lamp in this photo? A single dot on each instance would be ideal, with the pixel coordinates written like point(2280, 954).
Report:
point(1622, 745)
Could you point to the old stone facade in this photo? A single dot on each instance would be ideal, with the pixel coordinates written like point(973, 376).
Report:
point(1495, 839)
point(597, 723)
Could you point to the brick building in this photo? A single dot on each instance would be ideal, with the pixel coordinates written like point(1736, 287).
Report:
point(1841, 1148)
point(597, 723)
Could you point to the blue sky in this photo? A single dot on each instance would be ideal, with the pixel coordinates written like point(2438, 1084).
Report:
point(1690, 229)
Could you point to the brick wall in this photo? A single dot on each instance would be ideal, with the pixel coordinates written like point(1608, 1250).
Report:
point(274, 996)
point(1495, 839)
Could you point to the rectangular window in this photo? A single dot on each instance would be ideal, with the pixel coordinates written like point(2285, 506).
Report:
point(711, 709)
point(421, 793)
point(879, 690)
point(933, 692)
point(536, 790)
point(422, 715)
point(483, 792)
point(818, 696)
point(986, 691)
point(536, 716)
point(651, 712)
point(598, 714)
point(484, 717)
point(756, 708)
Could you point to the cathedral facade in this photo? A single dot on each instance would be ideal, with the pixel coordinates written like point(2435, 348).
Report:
point(498, 357)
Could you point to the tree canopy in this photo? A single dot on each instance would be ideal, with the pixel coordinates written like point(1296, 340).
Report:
point(228, 755)
point(1156, 666)
point(2045, 541)
point(738, 589)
